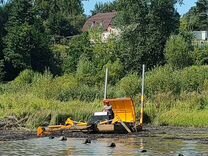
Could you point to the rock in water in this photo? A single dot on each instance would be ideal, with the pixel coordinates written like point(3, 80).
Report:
point(87, 141)
point(51, 137)
point(62, 138)
point(180, 154)
point(112, 145)
point(143, 151)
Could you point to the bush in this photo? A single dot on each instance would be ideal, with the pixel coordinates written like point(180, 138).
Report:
point(24, 78)
point(193, 78)
point(162, 80)
point(178, 52)
point(82, 93)
point(201, 55)
point(128, 86)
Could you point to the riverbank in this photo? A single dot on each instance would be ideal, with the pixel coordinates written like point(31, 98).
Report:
point(164, 132)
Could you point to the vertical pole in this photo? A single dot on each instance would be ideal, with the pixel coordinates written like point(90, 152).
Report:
point(142, 97)
point(106, 84)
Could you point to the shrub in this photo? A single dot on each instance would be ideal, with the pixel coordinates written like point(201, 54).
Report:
point(178, 52)
point(162, 80)
point(24, 78)
point(193, 78)
point(128, 86)
point(201, 55)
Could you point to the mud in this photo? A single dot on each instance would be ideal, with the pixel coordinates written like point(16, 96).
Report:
point(200, 134)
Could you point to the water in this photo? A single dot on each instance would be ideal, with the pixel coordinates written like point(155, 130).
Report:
point(131, 146)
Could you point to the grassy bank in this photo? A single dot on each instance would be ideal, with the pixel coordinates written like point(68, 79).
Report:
point(173, 97)
point(44, 112)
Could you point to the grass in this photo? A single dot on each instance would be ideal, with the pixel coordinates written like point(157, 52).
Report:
point(42, 111)
point(177, 117)
point(177, 98)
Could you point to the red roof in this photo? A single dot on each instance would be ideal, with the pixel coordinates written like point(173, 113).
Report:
point(104, 19)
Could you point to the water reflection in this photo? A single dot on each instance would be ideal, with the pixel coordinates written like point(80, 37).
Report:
point(130, 146)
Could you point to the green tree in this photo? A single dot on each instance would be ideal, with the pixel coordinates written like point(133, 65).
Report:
point(105, 7)
point(61, 17)
point(196, 18)
point(179, 53)
point(18, 41)
point(3, 20)
point(79, 45)
point(201, 55)
point(26, 44)
point(202, 9)
point(146, 31)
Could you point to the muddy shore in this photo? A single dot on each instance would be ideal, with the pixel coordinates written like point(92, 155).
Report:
point(166, 132)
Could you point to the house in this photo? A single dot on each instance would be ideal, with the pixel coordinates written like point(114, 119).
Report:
point(104, 21)
point(201, 35)
point(201, 38)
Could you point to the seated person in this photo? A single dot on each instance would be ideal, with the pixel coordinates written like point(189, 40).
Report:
point(108, 108)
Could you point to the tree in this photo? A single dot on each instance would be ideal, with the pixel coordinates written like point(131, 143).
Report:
point(61, 17)
point(3, 20)
point(79, 45)
point(202, 9)
point(147, 26)
point(18, 40)
point(105, 7)
point(179, 52)
point(196, 18)
point(26, 43)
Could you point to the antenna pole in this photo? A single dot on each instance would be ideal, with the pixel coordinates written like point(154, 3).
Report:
point(106, 84)
point(142, 97)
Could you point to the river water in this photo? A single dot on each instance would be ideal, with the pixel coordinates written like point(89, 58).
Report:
point(130, 146)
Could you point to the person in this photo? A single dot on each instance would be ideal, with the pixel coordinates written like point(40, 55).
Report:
point(108, 108)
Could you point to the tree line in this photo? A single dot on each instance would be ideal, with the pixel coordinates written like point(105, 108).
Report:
point(27, 28)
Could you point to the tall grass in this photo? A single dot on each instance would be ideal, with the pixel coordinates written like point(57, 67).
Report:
point(42, 111)
point(45, 99)
point(176, 117)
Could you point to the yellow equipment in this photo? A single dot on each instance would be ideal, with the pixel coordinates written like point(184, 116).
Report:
point(124, 120)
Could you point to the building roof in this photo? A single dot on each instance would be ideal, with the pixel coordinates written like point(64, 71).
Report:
point(104, 19)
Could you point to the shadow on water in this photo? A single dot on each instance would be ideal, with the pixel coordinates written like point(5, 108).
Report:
point(130, 146)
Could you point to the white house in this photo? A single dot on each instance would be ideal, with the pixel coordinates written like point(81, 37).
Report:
point(201, 35)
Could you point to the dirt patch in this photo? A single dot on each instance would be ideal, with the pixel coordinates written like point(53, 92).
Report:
point(11, 135)
point(166, 132)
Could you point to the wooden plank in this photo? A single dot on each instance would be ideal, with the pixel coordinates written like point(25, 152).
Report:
point(105, 128)
point(124, 125)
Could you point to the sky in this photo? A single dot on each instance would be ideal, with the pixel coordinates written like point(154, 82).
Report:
point(89, 5)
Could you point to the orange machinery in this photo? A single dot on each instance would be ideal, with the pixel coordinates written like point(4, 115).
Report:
point(124, 120)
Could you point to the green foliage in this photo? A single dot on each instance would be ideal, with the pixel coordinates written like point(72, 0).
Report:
point(79, 45)
point(193, 78)
point(17, 51)
point(61, 17)
point(196, 18)
point(40, 111)
point(201, 55)
point(162, 80)
point(46, 99)
point(3, 20)
point(43, 97)
point(184, 118)
point(26, 43)
point(116, 71)
point(178, 52)
point(26, 77)
point(85, 71)
point(128, 86)
point(146, 31)
point(105, 7)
